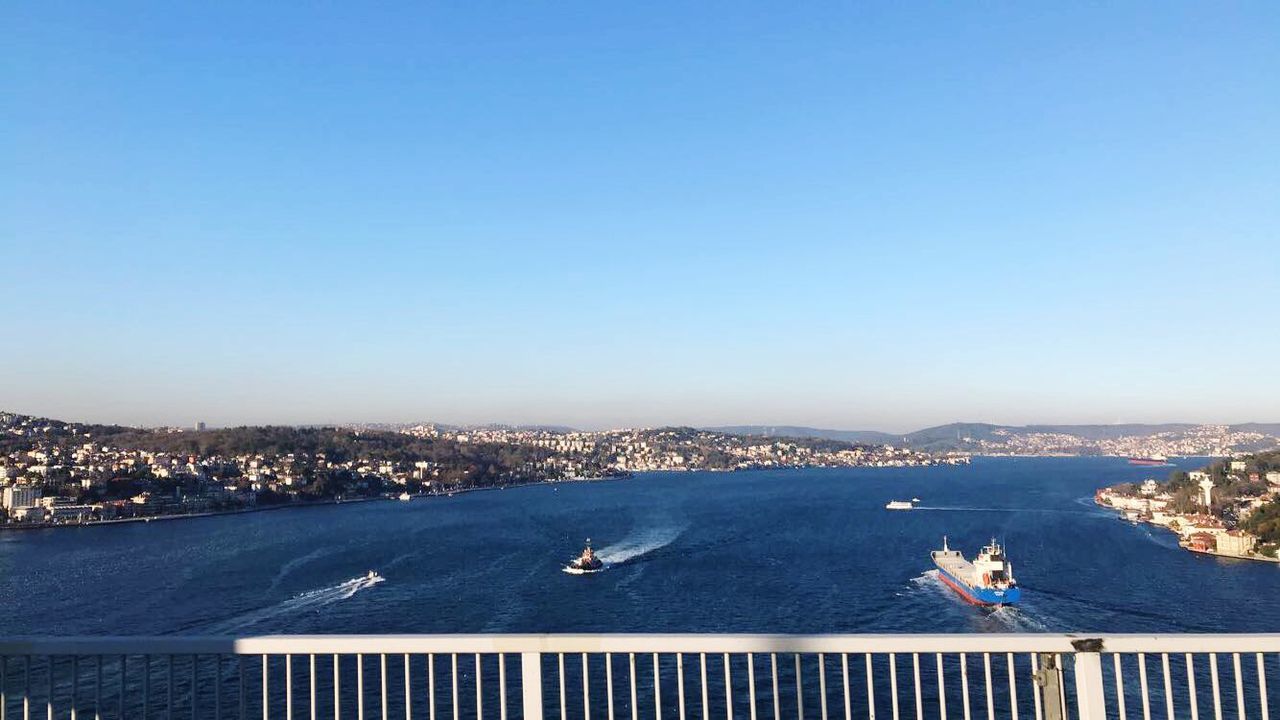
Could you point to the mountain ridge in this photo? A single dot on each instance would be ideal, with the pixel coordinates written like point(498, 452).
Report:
point(971, 435)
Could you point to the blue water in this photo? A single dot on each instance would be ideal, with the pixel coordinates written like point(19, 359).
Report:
point(763, 551)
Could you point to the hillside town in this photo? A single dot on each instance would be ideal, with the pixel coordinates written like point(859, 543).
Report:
point(1230, 508)
point(1195, 441)
point(677, 449)
point(60, 473)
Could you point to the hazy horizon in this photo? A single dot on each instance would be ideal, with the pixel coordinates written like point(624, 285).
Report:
point(872, 216)
point(437, 421)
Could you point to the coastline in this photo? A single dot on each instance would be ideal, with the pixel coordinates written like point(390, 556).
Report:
point(290, 506)
point(1120, 515)
point(342, 501)
point(1230, 556)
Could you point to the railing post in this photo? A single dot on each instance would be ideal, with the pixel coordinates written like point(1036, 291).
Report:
point(531, 683)
point(1049, 679)
point(1090, 701)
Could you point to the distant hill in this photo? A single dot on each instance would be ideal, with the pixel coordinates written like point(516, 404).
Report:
point(1264, 428)
point(977, 437)
point(855, 436)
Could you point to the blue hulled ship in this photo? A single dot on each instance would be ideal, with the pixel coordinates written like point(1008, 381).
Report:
point(988, 580)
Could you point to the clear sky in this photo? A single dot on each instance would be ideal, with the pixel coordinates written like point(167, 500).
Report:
point(846, 214)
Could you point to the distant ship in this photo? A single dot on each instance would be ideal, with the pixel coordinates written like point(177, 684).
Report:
point(1156, 460)
point(406, 497)
point(988, 580)
point(899, 505)
point(585, 563)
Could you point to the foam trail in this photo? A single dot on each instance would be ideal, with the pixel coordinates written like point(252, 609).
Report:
point(964, 509)
point(294, 564)
point(399, 559)
point(311, 600)
point(930, 579)
point(1011, 618)
point(637, 544)
point(1017, 620)
point(941, 508)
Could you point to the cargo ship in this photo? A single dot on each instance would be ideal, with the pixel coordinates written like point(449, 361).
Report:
point(988, 580)
point(1150, 460)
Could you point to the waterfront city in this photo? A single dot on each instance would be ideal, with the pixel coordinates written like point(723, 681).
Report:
point(65, 473)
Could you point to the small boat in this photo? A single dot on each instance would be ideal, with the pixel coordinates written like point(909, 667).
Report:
point(899, 505)
point(585, 563)
point(373, 576)
point(915, 500)
point(406, 496)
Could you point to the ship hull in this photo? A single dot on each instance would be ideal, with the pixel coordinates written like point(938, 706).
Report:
point(578, 568)
point(1149, 462)
point(979, 595)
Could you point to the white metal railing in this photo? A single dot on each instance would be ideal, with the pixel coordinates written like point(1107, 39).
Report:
point(663, 677)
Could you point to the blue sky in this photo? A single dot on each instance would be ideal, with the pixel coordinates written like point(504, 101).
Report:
point(880, 215)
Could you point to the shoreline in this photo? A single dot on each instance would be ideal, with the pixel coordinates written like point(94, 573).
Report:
point(342, 501)
point(1230, 556)
point(323, 503)
point(1120, 515)
point(185, 516)
point(289, 506)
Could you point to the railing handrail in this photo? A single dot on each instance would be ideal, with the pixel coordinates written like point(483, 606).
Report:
point(642, 643)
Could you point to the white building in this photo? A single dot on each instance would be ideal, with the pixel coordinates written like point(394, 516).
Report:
point(1206, 485)
point(1234, 542)
point(16, 497)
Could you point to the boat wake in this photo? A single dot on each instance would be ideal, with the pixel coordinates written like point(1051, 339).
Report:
point(288, 568)
point(942, 508)
point(1016, 619)
point(930, 579)
point(311, 601)
point(1005, 618)
point(638, 544)
point(959, 508)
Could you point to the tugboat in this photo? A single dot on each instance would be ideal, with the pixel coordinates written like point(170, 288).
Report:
point(585, 563)
point(988, 580)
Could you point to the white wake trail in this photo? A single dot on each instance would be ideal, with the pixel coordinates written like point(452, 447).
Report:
point(311, 600)
point(294, 564)
point(637, 544)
